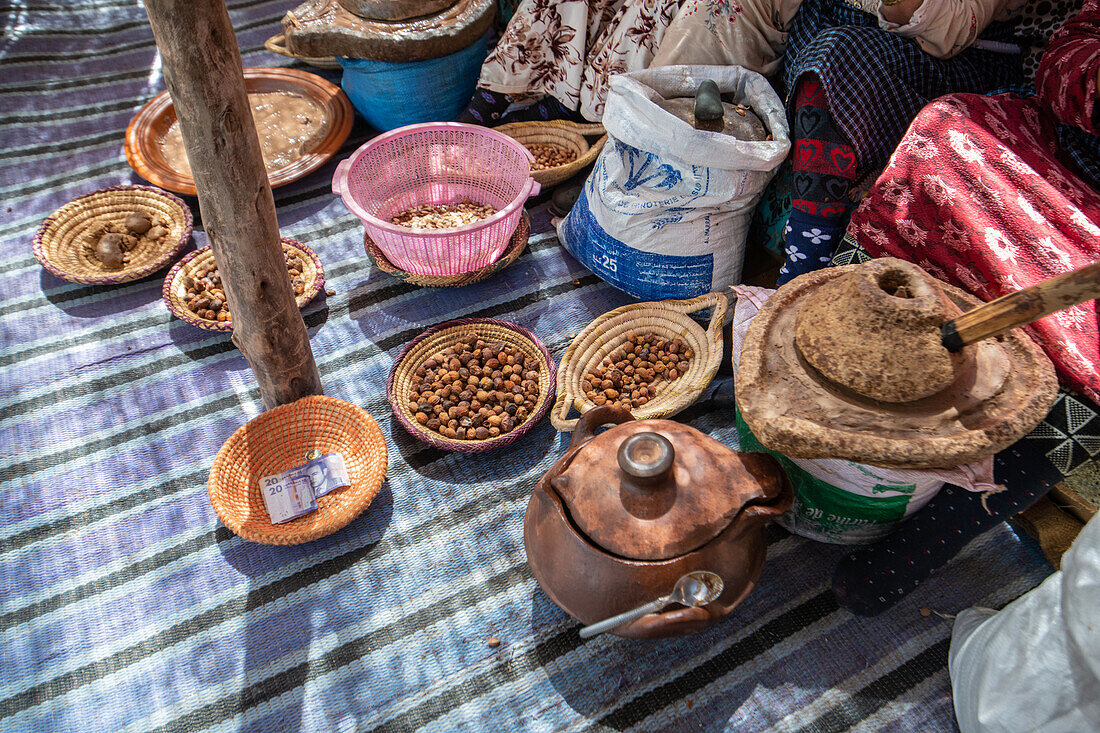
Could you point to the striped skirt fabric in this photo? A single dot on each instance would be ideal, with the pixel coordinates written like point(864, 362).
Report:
point(126, 606)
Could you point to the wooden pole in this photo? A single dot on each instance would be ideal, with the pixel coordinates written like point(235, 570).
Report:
point(1022, 307)
point(202, 65)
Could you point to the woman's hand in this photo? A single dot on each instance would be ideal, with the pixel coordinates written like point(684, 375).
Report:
point(900, 11)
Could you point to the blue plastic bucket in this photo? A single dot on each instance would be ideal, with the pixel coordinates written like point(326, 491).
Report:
point(394, 94)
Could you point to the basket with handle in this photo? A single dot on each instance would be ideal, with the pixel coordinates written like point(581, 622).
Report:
point(668, 319)
point(438, 163)
point(564, 134)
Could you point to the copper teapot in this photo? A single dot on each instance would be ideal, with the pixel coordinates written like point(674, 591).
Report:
point(621, 516)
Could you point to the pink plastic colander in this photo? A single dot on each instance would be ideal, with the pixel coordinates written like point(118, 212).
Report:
point(438, 163)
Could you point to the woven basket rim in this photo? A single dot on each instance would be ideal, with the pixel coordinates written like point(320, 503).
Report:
point(38, 246)
point(553, 135)
point(560, 173)
point(474, 446)
point(668, 402)
point(281, 534)
point(311, 291)
point(517, 244)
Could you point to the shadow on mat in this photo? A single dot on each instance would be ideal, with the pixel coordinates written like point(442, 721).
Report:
point(294, 600)
point(616, 683)
point(99, 301)
point(198, 344)
point(505, 463)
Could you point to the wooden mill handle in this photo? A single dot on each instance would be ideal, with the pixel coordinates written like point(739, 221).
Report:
point(1022, 307)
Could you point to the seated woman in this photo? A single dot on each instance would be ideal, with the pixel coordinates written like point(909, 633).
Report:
point(855, 78)
point(558, 55)
point(997, 193)
point(994, 194)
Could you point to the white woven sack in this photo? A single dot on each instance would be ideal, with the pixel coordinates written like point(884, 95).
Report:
point(665, 212)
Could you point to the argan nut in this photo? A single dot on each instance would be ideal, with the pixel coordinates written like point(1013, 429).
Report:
point(108, 250)
point(139, 222)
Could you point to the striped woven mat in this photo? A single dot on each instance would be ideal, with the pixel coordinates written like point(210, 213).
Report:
point(126, 606)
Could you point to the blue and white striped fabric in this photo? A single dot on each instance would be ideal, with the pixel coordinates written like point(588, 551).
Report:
point(126, 606)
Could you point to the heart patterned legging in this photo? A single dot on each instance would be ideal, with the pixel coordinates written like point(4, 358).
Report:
point(825, 166)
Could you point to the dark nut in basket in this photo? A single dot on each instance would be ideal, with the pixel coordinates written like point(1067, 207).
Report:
point(633, 374)
point(548, 155)
point(108, 250)
point(489, 405)
point(205, 298)
point(139, 222)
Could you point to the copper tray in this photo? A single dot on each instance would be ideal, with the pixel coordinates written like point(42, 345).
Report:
point(152, 121)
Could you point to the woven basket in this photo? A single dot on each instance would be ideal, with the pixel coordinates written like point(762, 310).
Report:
point(447, 334)
point(174, 292)
point(278, 440)
point(515, 248)
point(668, 319)
point(63, 244)
point(564, 134)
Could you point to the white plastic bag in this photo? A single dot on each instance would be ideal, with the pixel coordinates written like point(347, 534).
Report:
point(841, 501)
point(665, 212)
point(1034, 666)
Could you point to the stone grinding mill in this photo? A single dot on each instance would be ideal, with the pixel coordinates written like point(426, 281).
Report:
point(882, 364)
point(405, 61)
point(386, 30)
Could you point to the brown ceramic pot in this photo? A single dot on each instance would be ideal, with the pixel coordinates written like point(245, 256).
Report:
point(621, 516)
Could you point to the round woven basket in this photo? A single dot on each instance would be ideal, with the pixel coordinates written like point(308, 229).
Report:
point(447, 334)
point(564, 134)
point(669, 319)
point(174, 292)
point(64, 243)
point(279, 440)
point(515, 249)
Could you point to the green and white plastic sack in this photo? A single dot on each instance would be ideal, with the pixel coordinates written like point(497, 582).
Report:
point(840, 501)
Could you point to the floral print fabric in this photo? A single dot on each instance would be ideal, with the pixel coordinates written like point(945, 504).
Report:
point(570, 49)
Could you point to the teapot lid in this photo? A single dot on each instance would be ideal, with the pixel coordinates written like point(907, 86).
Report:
point(656, 489)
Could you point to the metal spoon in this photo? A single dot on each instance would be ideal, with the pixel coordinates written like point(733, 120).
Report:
point(697, 588)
